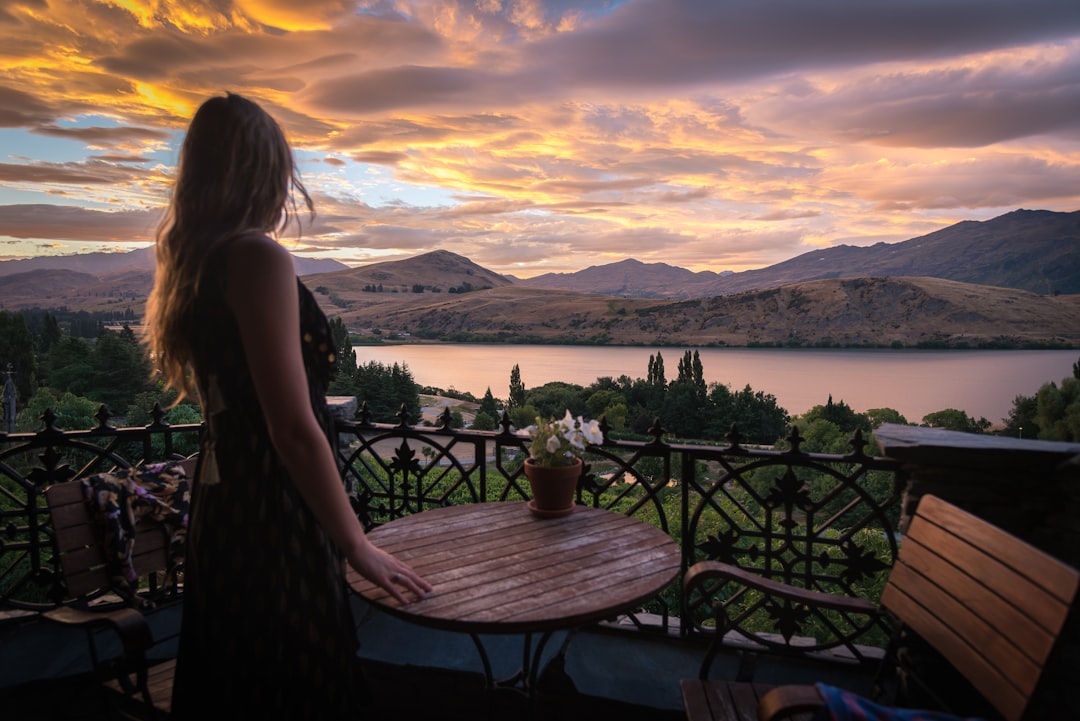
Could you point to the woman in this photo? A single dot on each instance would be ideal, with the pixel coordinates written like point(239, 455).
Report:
point(267, 630)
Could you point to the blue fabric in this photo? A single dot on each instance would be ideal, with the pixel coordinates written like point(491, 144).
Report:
point(841, 705)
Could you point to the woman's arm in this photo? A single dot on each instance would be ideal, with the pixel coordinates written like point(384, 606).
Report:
point(261, 292)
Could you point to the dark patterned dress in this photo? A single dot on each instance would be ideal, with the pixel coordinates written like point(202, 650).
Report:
point(267, 629)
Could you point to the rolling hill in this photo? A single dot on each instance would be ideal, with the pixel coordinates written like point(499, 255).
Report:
point(630, 279)
point(97, 281)
point(138, 260)
point(436, 272)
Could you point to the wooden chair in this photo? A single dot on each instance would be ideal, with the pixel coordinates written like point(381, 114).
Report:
point(991, 605)
point(138, 688)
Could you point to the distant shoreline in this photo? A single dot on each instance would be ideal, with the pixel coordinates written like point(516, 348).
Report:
point(364, 343)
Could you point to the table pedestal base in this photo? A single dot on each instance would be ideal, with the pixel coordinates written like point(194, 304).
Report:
point(526, 680)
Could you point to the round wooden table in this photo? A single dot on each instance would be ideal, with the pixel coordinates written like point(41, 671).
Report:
point(496, 568)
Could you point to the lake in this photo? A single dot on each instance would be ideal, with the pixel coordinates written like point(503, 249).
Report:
point(982, 383)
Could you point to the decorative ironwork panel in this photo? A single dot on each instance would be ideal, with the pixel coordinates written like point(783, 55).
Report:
point(819, 522)
point(395, 470)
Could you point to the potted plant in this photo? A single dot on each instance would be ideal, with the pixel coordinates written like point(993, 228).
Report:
point(554, 463)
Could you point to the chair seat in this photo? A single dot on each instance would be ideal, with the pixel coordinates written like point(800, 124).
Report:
point(706, 700)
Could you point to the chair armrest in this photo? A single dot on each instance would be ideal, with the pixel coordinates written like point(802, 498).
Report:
point(703, 571)
point(784, 701)
point(128, 623)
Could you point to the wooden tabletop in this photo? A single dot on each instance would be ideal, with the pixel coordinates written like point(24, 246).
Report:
point(496, 568)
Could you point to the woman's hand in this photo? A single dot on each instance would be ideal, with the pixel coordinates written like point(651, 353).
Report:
point(388, 573)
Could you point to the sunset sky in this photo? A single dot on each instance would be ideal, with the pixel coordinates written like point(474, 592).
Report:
point(534, 136)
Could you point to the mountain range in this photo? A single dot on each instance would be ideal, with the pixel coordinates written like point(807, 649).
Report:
point(1035, 250)
point(140, 260)
point(1013, 280)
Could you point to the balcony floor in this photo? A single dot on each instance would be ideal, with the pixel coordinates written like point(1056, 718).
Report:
point(422, 673)
point(402, 693)
point(413, 672)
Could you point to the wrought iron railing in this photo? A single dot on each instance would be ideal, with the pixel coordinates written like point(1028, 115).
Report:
point(821, 521)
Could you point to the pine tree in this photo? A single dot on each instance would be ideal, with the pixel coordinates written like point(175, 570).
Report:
point(517, 389)
point(656, 371)
point(489, 405)
point(699, 376)
point(120, 369)
point(17, 347)
point(345, 378)
point(385, 388)
point(50, 333)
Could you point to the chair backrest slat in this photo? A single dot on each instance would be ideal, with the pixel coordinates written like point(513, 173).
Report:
point(990, 603)
point(78, 540)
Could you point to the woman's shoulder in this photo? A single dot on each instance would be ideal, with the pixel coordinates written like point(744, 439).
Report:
point(257, 254)
point(257, 248)
point(258, 264)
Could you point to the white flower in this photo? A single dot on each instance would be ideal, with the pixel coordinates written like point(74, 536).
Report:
point(559, 442)
point(567, 422)
point(592, 432)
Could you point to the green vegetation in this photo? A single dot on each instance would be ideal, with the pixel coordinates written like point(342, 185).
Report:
point(956, 420)
point(467, 287)
point(384, 388)
point(686, 407)
point(54, 367)
point(1052, 414)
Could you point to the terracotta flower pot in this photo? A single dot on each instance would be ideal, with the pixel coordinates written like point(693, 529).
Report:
point(553, 488)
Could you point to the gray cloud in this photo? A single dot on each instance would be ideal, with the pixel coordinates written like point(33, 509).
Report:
point(390, 237)
point(377, 157)
point(65, 222)
point(90, 173)
point(788, 215)
point(681, 42)
point(964, 107)
point(107, 137)
point(119, 158)
point(405, 87)
point(22, 109)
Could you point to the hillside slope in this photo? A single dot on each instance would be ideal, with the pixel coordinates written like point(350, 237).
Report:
point(877, 312)
point(630, 279)
point(1035, 250)
point(439, 269)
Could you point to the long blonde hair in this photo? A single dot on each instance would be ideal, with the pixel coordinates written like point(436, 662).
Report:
point(236, 175)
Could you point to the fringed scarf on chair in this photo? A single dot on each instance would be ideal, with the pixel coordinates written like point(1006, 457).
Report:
point(121, 499)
